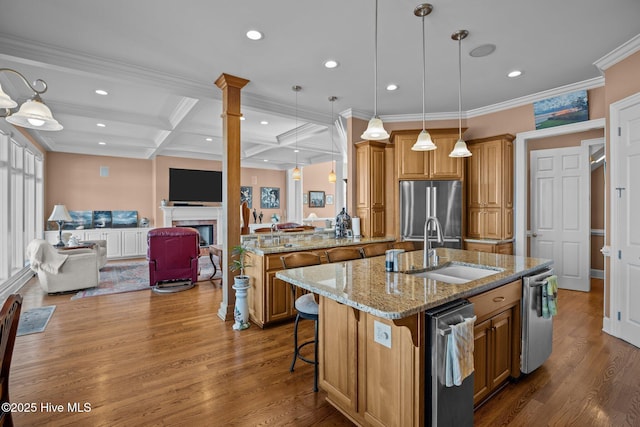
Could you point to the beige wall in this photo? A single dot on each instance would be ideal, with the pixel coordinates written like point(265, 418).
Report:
point(74, 180)
point(135, 184)
point(258, 178)
point(316, 178)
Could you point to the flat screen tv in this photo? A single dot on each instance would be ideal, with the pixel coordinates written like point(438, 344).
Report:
point(191, 185)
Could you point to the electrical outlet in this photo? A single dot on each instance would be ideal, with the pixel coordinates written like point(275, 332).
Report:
point(382, 333)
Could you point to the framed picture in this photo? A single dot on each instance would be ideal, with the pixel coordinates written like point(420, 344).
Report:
point(305, 199)
point(101, 219)
point(561, 110)
point(124, 219)
point(316, 199)
point(329, 199)
point(79, 221)
point(269, 197)
point(246, 195)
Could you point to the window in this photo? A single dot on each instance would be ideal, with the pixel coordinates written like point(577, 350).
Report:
point(21, 202)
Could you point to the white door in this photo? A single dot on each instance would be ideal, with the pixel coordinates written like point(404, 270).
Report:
point(625, 199)
point(561, 214)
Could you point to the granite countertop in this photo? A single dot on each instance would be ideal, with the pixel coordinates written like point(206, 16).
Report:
point(316, 242)
point(365, 285)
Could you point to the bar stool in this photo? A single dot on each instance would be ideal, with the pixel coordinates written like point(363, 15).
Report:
point(343, 254)
point(307, 308)
point(374, 249)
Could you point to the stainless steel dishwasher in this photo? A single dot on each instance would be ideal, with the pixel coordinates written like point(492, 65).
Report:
point(537, 332)
point(446, 406)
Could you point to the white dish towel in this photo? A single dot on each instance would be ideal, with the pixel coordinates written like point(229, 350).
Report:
point(459, 357)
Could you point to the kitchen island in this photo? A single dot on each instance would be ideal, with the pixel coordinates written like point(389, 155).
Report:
point(372, 329)
point(270, 299)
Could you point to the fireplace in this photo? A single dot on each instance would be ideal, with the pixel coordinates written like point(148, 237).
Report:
point(196, 217)
point(206, 228)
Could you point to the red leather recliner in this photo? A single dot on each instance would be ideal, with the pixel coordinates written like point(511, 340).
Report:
point(173, 254)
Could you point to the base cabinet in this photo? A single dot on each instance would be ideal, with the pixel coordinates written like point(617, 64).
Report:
point(496, 339)
point(371, 383)
point(493, 248)
point(121, 243)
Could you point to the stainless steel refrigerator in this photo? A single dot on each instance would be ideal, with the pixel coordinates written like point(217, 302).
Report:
point(422, 199)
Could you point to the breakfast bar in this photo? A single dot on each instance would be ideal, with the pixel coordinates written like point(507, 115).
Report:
point(373, 343)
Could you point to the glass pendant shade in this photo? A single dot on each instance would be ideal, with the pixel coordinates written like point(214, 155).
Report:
point(34, 114)
point(332, 176)
point(6, 101)
point(460, 150)
point(296, 175)
point(424, 142)
point(375, 131)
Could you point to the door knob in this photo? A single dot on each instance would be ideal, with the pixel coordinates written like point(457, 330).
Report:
point(534, 235)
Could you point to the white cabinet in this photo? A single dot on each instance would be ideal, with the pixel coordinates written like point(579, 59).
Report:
point(134, 242)
point(121, 243)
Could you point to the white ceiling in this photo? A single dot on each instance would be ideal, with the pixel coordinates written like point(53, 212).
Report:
point(158, 60)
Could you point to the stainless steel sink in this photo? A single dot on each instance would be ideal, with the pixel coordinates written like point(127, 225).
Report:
point(455, 273)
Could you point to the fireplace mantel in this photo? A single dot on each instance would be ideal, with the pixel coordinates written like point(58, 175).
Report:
point(193, 213)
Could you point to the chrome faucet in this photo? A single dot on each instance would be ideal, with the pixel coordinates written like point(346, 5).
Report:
point(430, 254)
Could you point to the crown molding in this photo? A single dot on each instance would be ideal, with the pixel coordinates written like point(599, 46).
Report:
point(618, 54)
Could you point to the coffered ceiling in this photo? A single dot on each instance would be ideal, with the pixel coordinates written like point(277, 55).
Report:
point(158, 60)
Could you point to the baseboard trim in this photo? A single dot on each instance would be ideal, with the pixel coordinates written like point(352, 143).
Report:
point(596, 274)
point(606, 325)
point(14, 283)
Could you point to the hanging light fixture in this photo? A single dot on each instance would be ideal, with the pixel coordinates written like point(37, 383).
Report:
point(33, 113)
point(296, 174)
point(424, 142)
point(332, 174)
point(375, 131)
point(460, 149)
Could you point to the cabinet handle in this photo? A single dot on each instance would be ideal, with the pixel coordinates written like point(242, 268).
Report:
point(498, 299)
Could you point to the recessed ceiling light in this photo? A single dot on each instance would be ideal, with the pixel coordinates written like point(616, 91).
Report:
point(209, 139)
point(483, 50)
point(514, 73)
point(102, 92)
point(331, 63)
point(296, 151)
point(101, 125)
point(264, 122)
point(102, 143)
point(254, 35)
point(392, 86)
point(265, 160)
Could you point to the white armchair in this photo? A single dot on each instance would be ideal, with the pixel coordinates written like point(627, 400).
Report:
point(63, 272)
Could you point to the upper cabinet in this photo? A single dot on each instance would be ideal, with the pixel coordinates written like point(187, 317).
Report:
point(434, 164)
point(490, 188)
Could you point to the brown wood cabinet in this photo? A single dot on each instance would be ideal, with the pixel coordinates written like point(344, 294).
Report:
point(434, 164)
point(499, 248)
point(370, 187)
point(497, 339)
point(372, 384)
point(490, 188)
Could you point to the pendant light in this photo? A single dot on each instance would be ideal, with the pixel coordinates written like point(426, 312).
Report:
point(375, 131)
point(296, 175)
point(424, 142)
point(460, 149)
point(332, 174)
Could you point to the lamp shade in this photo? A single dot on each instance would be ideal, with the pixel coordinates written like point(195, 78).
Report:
point(312, 216)
point(424, 142)
point(332, 176)
point(34, 114)
point(6, 101)
point(60, 213)
point(296, 174)
point(375, 131)
point(460, 150)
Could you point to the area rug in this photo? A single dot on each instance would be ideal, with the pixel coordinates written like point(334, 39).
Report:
point(35, 320)
point(120, 277)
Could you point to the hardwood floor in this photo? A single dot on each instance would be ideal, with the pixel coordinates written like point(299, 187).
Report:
point(145, 359)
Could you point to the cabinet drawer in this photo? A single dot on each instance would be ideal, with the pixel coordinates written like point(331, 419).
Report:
point(495, 300)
